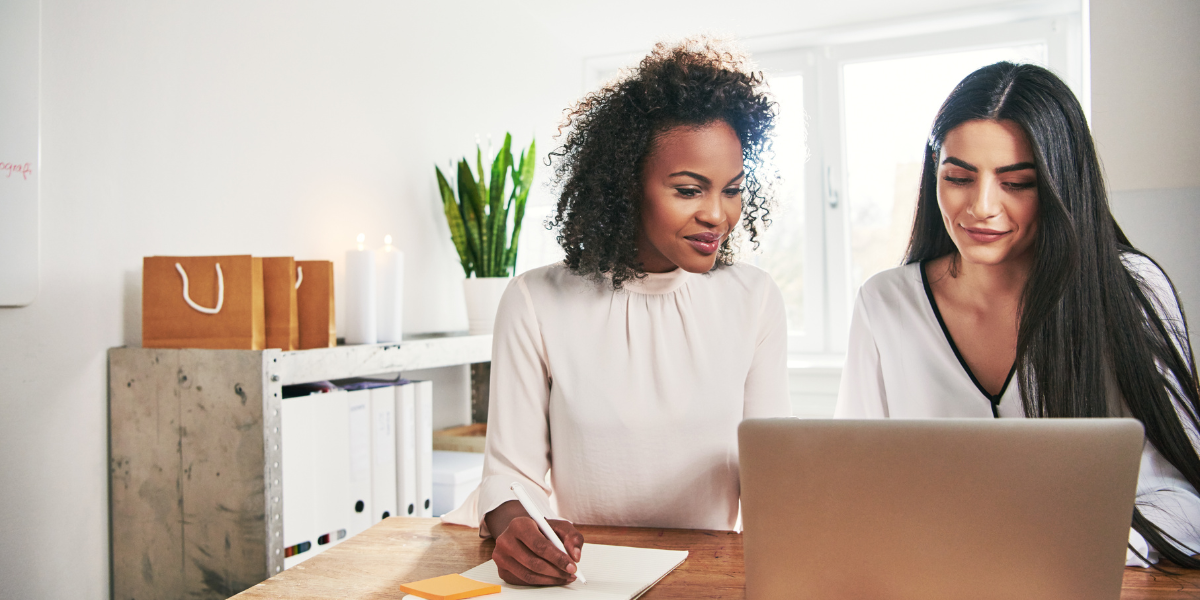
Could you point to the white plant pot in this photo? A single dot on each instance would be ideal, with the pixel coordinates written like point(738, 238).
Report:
point(483, 298)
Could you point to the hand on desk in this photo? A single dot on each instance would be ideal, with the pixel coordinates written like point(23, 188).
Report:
point(524, 556)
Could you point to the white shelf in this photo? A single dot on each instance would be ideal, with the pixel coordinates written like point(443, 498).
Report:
point(423, 352)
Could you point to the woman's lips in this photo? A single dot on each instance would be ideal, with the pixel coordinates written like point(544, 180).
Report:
point(705, 243)
point(984, 236)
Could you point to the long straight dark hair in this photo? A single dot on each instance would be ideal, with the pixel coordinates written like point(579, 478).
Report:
point(1082, 314)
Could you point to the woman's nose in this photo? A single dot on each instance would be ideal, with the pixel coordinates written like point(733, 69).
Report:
point(709, 212)
point(986, 203)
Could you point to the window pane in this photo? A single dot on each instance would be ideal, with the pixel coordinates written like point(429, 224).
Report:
point(538, 245)
point(782, 249)
point(890, 106)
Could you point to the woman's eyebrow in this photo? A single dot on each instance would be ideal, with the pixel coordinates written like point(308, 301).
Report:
point(1021, 166)
point(960, 163)
point(739, 176)
point(698, 176)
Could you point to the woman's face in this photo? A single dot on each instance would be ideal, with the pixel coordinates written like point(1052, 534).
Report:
point(692, 185)
point(987, 191)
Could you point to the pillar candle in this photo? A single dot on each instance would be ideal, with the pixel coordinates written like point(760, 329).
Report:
point(360, 295)
point(391, 292)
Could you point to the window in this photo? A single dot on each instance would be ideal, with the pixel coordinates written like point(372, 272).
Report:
point(885, 143)
point(783, 252)
point(867, 99)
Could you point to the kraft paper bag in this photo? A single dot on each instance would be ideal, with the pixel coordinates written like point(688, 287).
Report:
point(314, 299)
point(279, 300)
point(203, 302)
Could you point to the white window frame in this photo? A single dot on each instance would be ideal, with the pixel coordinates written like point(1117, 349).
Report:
point(819, 57)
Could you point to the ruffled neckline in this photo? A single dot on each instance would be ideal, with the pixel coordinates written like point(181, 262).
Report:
point(654, 284)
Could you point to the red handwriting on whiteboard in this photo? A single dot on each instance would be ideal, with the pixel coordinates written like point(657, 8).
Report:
point(21, 169)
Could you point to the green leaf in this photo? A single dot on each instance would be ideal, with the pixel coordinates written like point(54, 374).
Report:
point(497, 212)
point(471, 206)
point(485, 230)
point(500, 166)
point(522, 183)
point(458, 233)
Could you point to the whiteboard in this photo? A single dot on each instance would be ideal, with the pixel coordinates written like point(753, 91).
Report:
point(20, 59)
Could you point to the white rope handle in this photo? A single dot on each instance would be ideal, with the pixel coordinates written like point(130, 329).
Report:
point(299, 276)
point(220, 291)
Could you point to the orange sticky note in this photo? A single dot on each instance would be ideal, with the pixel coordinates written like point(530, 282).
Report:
point(449, 587)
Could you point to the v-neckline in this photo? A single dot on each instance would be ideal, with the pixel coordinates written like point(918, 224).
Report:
point(994, 399)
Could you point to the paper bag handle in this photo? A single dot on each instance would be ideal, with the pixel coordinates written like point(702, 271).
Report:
point(220, 291)
point(299, 276)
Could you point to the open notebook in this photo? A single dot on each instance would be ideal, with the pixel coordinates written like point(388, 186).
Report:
point(612, 572)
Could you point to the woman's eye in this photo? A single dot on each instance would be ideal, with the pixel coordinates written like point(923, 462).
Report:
point(957, 180)
point(1020, 185)
point(737, 191)
point(688, 192)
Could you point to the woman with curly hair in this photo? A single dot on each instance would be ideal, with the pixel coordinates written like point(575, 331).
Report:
point(619, 376)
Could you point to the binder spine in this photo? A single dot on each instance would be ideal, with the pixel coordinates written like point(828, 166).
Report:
point(360, 507)
point(424, 447)
point(406, 450)
point(383, 453)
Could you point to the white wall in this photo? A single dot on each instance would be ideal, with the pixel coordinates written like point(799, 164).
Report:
point(1146, 121)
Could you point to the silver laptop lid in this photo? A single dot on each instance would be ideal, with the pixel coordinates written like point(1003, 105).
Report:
point(931, 509)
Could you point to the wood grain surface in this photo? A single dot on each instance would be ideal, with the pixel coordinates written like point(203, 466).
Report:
point(373, 564)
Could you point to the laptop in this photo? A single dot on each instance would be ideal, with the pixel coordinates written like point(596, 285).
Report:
point(937, 509)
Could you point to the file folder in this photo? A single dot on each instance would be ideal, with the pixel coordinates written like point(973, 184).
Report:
point(406, 450)
point(383, 453)
point(331, 473)
point(360, 507)
point(424, 443)
point(299, 537)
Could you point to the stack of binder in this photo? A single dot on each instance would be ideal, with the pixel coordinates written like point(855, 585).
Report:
point(352, 458)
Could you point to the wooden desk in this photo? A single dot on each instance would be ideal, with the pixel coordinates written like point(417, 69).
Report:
point(373, 564)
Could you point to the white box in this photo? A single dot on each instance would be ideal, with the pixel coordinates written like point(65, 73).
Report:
point(455, 476)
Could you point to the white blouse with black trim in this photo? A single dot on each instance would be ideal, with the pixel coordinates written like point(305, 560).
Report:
point(901, 362)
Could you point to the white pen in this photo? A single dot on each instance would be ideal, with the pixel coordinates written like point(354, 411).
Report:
point(537, 517)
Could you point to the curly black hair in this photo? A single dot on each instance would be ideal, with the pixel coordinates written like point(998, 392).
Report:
point(598, 167)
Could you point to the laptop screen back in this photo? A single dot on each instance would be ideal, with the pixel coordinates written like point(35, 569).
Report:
point(930, 509)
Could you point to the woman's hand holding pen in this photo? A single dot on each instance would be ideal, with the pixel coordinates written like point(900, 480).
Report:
point(524, 556)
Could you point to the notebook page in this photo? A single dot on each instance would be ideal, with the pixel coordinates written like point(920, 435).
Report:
point(613, 572)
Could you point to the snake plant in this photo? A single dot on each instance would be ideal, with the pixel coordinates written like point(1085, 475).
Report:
point(479, 215)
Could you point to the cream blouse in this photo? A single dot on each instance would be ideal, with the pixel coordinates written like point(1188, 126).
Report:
point(901, 363)
point(622, 407)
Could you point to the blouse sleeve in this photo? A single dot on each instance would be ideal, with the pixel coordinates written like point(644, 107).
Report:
point(1164, 495)
point(766, 390)
point(518, 440)
point(1167, 499)
point(861, 394)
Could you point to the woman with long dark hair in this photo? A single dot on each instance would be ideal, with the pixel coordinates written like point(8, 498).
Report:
point(1021, 297)
point(619, 375)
